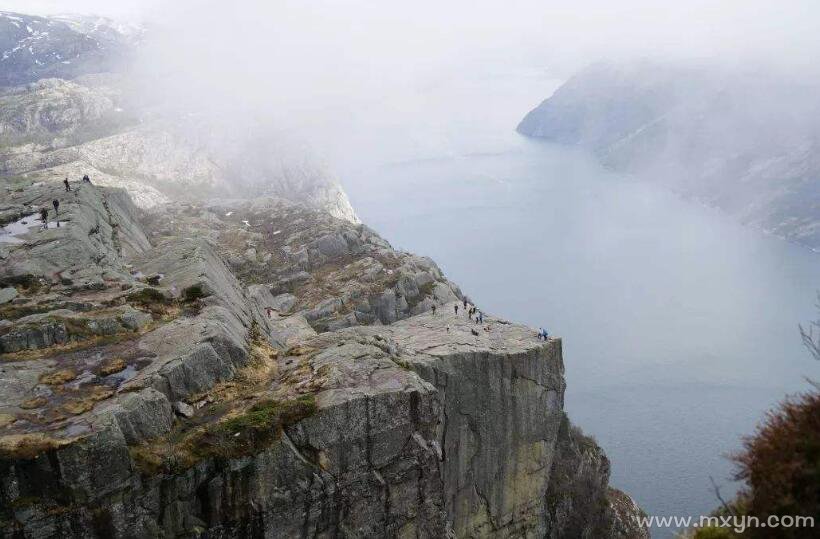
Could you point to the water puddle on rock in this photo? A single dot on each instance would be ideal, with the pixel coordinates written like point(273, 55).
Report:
point(118, 378)
point(10, 232)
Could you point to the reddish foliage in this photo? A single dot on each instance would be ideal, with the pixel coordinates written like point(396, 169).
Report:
point(781, 464)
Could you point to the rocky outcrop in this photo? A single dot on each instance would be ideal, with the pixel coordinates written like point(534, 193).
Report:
point(745, 141)
point(197, 371)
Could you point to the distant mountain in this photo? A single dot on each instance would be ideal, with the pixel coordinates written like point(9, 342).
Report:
point(33, 48)
point(67, 109)
point(747, 141)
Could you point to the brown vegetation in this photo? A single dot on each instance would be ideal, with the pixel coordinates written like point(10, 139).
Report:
point(27, 446)
point(58, 377)
point(237, 436)
point(781, 464)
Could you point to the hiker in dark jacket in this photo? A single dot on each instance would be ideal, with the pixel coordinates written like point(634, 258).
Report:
point(86, 179)
point(44, 216)
point(56, 204)
point(67, 186)
point(434, 308)
point(456, 308)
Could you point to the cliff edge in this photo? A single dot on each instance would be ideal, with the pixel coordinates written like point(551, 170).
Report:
point(262, 369)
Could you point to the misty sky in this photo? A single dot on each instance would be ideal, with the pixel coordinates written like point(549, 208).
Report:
point(323, 65)
point(424, 31)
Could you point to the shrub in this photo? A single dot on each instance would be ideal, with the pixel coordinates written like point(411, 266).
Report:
point(193, 293)
point(781, 465)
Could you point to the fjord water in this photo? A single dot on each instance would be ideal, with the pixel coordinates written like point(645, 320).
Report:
point(679, 325)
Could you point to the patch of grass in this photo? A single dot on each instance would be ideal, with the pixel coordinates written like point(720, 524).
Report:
point(72, 346)
point(194, 293)
point(147, 297)
point(59, 377)
point(30, 404)
point(86, 403)
point(27, 446)
point(13, 312)
point(427, 288)
point(29, 284)
point(112, 366)
point(77, 328)
point(238, 436)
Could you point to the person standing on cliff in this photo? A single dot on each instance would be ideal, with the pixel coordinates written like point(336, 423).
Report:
point(86, 179)
point(56, 204)
point(44, 217)
point(456, 308)
point(434, 309)
point(67, 186)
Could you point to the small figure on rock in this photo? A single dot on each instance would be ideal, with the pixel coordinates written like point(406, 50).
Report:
point(474, 332)
point(434, 309)
point(269, 311)
point(44, 216)
point(86, 179)
point(480, 317)
point(456, 308)
point(67, 186)
point(56, 204)
point(542, 334)
point(465, 303)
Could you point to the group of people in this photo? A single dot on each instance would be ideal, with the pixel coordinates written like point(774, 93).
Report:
point(44, 213)
point(56, 203)
point(470, 310)
point(473, 313)
point(67, 184)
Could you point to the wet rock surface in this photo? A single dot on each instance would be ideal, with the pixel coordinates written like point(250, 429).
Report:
point(156, 380)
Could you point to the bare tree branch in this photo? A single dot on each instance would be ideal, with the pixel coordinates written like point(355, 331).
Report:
point(720, 498)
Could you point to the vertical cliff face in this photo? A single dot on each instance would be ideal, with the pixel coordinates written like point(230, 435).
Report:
point(151, 389)
point(501, 393)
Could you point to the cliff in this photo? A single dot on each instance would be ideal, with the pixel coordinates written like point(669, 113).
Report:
point(743, 140)
point(260, 368)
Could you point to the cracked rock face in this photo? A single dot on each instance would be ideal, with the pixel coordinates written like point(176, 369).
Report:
point(157, 381)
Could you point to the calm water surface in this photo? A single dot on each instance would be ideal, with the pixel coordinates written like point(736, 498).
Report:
point(679, 326)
